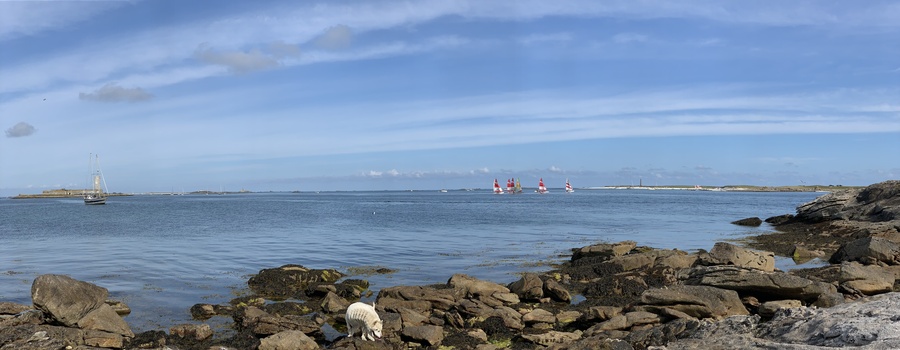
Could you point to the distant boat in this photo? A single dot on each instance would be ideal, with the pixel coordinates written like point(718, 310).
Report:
point(541, 188)
point(497, 189)
point(443, 191)
point(569, 188)
point(510, 186)
point(98, 194)
point(518, 188)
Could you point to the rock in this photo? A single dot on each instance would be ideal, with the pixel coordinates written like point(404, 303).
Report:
point(438, 299)
point(529, 287)
point(412, 318)
point(473, 287)
point(552, 337)
point(556, 292)
point(65, 299)
point(753, 222)
point(869, 323)
point(103, 339)
point(769, 308)
point(638, 318)
point(105, 319)
point(260, 322)
point(800, 254)
point(121, 308)
point(539, 315)
point(511, 318)
point(780, 219)
point(289, 281)
point(332, 303)
point(566, 317)
point(755, 282)
point(392, 304)
point(432, 335)
point(604, 251)
point(600, 313)
point(866, 279)
point(288, 340)
point(197, 332)
point(875, 203)
point(867, 249)
point(8, 308)
point(696, 301)
point(730, 254)
point(203, 311)
point(615, 323)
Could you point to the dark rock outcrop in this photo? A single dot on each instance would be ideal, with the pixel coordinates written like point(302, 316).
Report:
point(753, 222)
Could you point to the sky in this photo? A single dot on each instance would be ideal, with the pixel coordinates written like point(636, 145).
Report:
point(395, 95)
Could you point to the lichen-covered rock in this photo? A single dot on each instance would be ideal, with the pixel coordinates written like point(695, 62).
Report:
point(289, 281)
point(65, 299)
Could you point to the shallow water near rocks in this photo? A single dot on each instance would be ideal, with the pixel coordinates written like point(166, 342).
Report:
point(163, 254)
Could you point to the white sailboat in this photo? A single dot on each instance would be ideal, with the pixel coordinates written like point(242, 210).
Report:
point(569, 188)
point(97, 194)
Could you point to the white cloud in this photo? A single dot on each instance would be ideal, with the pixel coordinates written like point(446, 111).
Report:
point(21, 129)
point(111, 92)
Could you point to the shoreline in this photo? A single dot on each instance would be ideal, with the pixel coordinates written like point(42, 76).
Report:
point(621, 294)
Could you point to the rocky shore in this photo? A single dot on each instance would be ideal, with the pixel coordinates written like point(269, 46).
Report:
point(607, 296)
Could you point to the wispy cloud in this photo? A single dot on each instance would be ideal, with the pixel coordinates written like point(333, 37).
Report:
point(21, 129)
point(236, 61)
point(26, 18)
point(335, 38)
point(544, 38)
point(112, 92)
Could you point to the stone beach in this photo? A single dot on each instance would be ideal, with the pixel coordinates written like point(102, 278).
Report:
point(607, 296)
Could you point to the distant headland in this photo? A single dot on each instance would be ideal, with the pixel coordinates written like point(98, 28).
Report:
point(62, 193)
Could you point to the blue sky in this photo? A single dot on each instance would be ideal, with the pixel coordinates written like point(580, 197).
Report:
point(367, 95)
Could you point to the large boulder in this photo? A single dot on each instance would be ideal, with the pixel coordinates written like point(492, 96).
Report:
point(761, 284)
point(66, 299)
point(865, 279)
point(869, 250)
point(868, 323)
point(696, 301)
point(729, 254)
point(875, 203)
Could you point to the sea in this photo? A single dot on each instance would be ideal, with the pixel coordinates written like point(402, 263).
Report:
point(161, 254)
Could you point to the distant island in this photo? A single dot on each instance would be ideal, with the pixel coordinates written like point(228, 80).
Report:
point(738, 188)
point(62, 193)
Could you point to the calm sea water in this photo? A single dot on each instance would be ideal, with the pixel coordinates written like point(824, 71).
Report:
point(163, 254)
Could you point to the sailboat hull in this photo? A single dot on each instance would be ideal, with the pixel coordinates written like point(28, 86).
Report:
point(94, 200)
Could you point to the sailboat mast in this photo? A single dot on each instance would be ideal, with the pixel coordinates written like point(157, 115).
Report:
point(99, 178)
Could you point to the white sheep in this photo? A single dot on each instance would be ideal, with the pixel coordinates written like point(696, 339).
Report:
point(362, 318)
